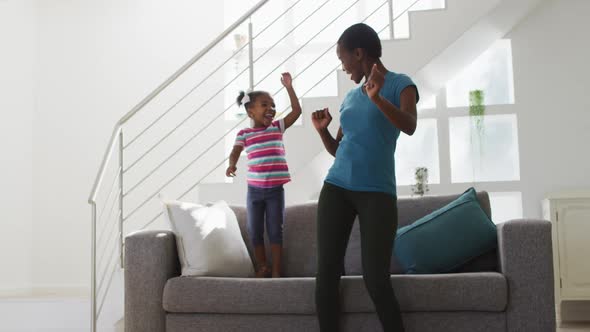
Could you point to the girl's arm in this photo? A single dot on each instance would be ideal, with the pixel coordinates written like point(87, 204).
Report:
point(295, 107)
point(233, 160)
point(405, 117)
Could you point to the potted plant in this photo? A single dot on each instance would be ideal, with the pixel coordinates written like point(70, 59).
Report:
point(421, 177)
point(477, 111)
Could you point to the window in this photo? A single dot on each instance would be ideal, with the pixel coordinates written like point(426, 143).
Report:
point(426, 103)
point(419, 150)
point(485, 154)
point(505, 206)
point(489, 155)
point(490, 72)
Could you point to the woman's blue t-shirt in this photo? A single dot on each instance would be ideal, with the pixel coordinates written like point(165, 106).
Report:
point(365, 157)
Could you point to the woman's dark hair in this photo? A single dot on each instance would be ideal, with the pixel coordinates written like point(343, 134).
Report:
point(361, 36)
point(253, 95)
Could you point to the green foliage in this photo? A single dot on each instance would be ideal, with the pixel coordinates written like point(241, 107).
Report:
point(421, 186)
point(477, 109)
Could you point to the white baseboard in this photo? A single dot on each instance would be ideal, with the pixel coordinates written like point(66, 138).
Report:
point(46, 291)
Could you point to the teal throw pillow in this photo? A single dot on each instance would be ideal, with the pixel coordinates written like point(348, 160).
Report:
point(446, 238)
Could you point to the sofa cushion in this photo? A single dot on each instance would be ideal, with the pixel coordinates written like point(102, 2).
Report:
point(484, 291)
point(414, 208)
point(299, 238)
point(447, 238)
point(208, 239)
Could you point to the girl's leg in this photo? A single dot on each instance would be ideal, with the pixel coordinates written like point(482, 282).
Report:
point(334, 224)
point(256, 207)
point(276, 251)
point(275, 216)
point(378, 226)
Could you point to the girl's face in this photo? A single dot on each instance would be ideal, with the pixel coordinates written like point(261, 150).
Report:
point(351, 63)
point(262, 110)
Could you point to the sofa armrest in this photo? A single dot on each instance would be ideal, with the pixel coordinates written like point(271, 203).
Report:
point(526, 260)
point(150, 260)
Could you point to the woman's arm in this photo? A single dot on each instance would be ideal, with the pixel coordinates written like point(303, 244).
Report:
point(330, 143)
point(405, 117)
point(295, 107)
point(321, 119)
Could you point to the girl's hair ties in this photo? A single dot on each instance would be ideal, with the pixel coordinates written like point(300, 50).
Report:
point(246, 98)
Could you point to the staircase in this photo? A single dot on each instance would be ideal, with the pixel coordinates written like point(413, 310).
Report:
point(175, 142)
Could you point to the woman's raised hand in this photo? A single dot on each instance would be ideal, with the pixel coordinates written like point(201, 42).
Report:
point(374, 83)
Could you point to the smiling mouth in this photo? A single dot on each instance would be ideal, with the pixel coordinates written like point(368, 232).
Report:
point(269, 116)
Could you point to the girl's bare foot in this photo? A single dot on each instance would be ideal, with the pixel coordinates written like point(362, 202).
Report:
point(263, 271)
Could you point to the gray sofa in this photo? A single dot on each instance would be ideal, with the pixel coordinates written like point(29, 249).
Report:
point(507, 290)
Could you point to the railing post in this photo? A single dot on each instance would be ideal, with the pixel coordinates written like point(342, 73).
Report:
point(391, 20)
point(93, 270)
point(251, 53)
point(121, 244)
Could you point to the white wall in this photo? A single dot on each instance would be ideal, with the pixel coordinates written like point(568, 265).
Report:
point(97, 60)
point(551, 80)
point(18, 56)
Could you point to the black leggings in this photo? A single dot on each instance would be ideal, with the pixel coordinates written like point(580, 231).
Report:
point(337, 209)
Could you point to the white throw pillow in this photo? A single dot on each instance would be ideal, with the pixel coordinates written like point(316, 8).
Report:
point(208, 239)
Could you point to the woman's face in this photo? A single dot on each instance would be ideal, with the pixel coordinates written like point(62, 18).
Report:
point(351, 63)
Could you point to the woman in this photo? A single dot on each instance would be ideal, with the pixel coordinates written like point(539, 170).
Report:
point(362, 179)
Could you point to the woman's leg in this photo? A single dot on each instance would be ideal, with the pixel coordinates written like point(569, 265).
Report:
point(256, 207)
point(275, 216)
point(378, 225)
point(334, 223)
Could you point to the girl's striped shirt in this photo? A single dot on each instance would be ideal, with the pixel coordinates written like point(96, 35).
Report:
point(267, 166)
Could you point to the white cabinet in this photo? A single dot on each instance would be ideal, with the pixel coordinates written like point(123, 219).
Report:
point(570, 218)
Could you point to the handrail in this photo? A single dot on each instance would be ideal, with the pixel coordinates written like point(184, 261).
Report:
point(309, 41)
point(181, 123)
point(194, 59)
point(295, 28)
point(159, 89)
point(213, 72)
point(103, 164)
point(148, 127)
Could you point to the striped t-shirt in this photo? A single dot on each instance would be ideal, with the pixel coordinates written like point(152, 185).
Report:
point(267, 166)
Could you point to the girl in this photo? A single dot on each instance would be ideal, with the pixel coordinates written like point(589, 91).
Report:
point(362, 179)
point(267, 171)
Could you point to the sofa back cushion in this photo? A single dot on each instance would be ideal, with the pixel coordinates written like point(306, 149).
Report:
point(300, 241)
